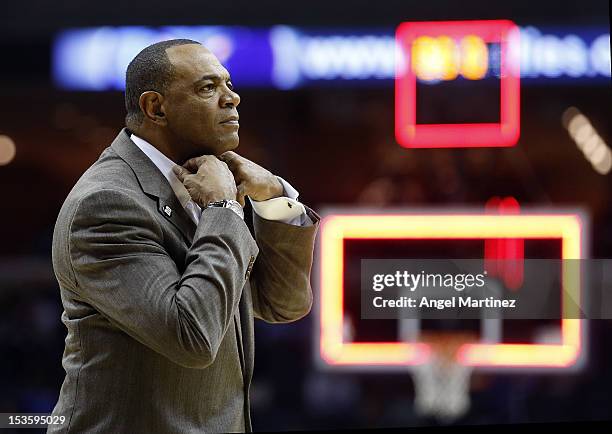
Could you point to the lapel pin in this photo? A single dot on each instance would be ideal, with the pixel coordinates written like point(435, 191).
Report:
point(168, 210)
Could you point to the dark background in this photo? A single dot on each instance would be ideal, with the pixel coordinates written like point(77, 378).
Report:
point(336, 146)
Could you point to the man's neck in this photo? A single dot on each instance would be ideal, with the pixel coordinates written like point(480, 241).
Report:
point(160, 143)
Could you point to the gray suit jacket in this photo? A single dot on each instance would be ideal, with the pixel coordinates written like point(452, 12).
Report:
point(159, 311)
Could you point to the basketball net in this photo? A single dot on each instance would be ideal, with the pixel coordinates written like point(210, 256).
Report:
point(442, 386)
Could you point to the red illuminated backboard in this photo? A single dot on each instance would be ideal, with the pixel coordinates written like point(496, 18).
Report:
point(409, 134)
point(337, 227)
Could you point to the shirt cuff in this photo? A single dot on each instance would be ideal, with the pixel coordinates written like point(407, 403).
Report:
point(284, 209)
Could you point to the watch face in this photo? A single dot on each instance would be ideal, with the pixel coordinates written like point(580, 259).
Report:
point(219, 203)
point(231, 204)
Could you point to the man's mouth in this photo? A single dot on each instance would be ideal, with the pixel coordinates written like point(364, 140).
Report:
point(232, 120)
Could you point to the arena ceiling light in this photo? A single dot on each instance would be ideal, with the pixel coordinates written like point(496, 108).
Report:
point(592, 145)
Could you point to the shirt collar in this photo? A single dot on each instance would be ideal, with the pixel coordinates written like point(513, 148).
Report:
point(165, 165)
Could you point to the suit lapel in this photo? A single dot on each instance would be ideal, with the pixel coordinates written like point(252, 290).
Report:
point(170, 207)
point(154, 183)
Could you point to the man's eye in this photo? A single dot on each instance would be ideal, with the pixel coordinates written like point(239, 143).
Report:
point(208, 88)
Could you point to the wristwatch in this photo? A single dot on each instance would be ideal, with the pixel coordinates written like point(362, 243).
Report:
point(228, 203)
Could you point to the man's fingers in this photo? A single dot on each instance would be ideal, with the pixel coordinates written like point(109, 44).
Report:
point(193, 164)
point(231, 159)
point(180, 172)
point(240, 193)
point(229, 155)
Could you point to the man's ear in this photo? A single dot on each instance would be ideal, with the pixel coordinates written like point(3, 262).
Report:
point(151, 105)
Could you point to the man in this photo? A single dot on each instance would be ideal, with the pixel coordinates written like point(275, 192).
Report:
point(160, 277)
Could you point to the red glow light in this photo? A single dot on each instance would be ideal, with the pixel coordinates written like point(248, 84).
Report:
point(409, 134)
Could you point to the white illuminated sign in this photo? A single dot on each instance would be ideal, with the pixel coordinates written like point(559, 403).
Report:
point(96, 58)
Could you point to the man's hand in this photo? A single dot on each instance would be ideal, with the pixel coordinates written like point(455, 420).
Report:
point(207, 179)
point(252, 180)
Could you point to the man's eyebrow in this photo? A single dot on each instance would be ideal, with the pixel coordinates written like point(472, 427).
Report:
point(214, 77)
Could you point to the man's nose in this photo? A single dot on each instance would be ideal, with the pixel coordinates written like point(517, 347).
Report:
point(230, 98)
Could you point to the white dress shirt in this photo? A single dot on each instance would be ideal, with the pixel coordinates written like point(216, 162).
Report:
point(284, 209)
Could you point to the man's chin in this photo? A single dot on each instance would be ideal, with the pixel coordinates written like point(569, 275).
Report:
point(216, 149)
point(230, 146)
